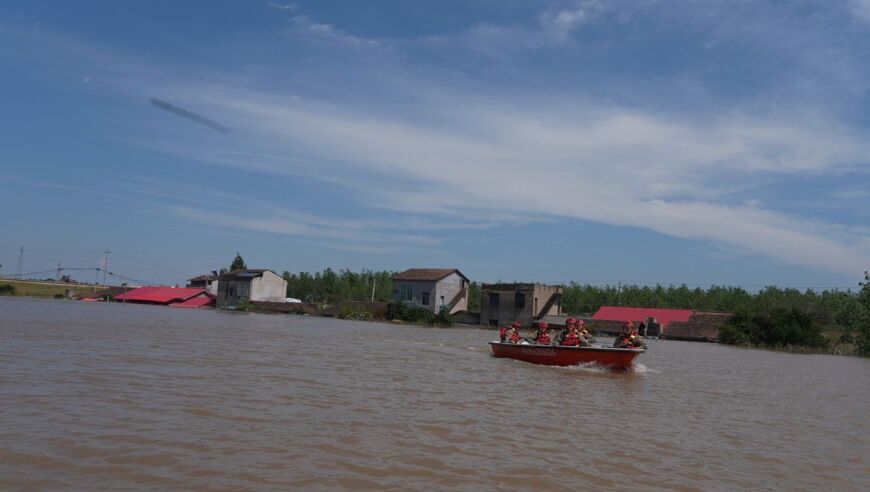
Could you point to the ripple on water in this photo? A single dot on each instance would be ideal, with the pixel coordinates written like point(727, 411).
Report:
point(151, 398)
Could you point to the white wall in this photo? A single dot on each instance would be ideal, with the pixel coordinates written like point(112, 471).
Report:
point(270, 288)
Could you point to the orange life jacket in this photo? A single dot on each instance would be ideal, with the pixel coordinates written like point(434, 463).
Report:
point(571, 339)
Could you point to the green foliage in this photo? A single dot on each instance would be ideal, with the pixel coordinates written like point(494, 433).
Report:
point(780, 328)
point(474, 294)
point(331, 287)
point(244, 305)
point(238, 263)
point(7, 290)
point(829, 308)
point(401, 311)
point(354, 312)
point(443, 319)
point(862, 318)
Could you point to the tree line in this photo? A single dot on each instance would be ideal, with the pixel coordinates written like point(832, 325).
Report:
point(827, 307)
point(771, 316)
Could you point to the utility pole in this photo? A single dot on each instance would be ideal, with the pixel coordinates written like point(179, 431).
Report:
point(373, 287)
point(20, 267)
point(619, 294)
point(105, 266)
point(57, 275)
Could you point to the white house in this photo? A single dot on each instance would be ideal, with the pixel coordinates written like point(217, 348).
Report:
point(432, 288)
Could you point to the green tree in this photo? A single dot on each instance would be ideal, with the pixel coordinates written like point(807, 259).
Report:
point(474, 294)
point(862, 317)
point(238, 263)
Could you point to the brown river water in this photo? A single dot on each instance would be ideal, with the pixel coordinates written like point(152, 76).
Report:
point(124, 397)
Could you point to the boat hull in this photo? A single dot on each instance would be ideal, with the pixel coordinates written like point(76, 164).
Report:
point(556, 355)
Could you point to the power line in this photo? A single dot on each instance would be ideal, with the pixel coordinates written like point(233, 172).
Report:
point(20, 262)
point(96, 271)
point(105, 266)
point(151, 265)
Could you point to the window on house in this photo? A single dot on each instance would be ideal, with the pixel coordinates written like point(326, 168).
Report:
point(493, 300)
point(406, 294)
point(493, 322)
point(424, 299)
point(520, 300)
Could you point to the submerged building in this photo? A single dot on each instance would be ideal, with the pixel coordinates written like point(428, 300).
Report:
point(432, 288)
point(168, 296)
point(502, 304)
point(250, 285)
point(673, 324)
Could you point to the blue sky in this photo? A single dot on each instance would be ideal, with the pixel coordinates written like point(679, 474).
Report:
point(636, 141)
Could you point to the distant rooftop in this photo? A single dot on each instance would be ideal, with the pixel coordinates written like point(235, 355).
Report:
point(244, 274)
point(427, 274)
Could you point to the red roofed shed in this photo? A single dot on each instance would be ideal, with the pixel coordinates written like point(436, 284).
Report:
point(662, 316)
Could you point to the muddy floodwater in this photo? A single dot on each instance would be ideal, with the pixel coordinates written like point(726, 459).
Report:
point(123, 397)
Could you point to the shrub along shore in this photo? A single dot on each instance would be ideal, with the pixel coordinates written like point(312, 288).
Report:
point(828, 321)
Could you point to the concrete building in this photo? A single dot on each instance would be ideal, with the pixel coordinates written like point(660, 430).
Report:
point(502, 304)
point(250, 285)
point(432, 288)
point(207, 282)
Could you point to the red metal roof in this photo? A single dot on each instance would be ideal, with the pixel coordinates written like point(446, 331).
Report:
point(194, 302)
point(163, 295)
point(637, 314)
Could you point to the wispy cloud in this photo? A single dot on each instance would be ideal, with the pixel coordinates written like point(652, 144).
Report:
point(305, 24)
point(602, 164)
point(282, 6)
point(861, 9)
point(490, 157)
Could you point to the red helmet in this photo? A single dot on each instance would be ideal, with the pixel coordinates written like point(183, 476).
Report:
point(543, 325)
point(627, 326)
point(570, 321)
point(515, 324)
point(580, 322)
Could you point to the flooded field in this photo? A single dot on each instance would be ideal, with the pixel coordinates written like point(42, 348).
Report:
point(98, 396)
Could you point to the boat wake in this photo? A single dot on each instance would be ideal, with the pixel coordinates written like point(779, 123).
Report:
point(598, 368)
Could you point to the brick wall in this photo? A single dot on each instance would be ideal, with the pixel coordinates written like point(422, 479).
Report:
point(701, 327)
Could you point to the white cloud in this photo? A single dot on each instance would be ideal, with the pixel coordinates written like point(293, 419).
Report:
point(560, 23)
point(303, 23)
point(597, 163)
point(469, 155)
point(341, 234)
point(282, 6)
point(860, 9)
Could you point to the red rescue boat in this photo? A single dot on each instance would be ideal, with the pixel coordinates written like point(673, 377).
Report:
point(558, 355)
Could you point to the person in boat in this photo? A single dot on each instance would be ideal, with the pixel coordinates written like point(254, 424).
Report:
point(571, 338)
point(570, 322)
point(585, 337)
point(503, 333)
point(541, 335)
point(629, 337)
point(514, 333)
point(635, 339)
point(624, 338)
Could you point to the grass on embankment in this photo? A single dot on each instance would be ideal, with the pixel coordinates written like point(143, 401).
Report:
point(43, 289)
